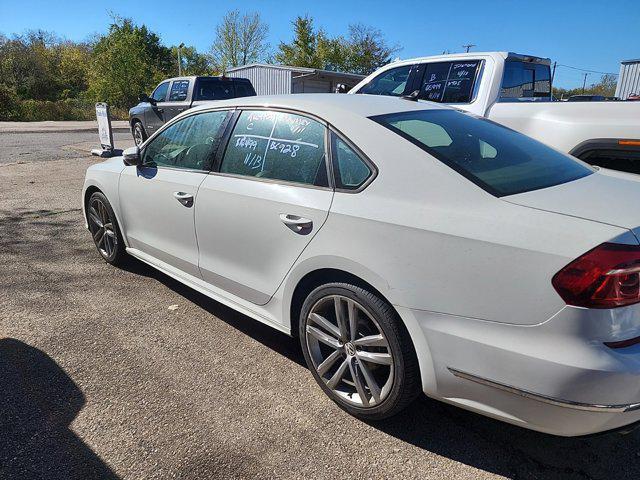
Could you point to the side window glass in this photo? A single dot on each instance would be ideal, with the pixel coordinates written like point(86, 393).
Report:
point(350, 170)
point(449, 82)
point(179, 91)
point(392, 82)
point(279, 146)
point(160, 93)
point(188, 143)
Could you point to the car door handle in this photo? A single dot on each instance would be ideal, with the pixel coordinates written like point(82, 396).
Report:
point(297, 224)
point(159, 110)
point(184, 198)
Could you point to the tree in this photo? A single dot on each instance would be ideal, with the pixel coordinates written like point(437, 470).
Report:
point(127, 61)
point(362, 52)
point(303, 50)
point(367, 49)
point(193, 63)
point(606, 86)
point(240, 40)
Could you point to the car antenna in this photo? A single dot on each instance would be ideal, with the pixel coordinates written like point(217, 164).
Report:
point(413, 96)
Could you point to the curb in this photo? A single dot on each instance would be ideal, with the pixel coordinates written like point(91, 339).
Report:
point(65, 130)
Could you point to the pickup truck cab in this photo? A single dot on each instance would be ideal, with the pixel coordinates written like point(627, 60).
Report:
point(515, 90)
point(175, 95)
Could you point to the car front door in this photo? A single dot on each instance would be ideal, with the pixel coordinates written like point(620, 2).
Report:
point(264, 203)
point(178, 99)
point(157, 199)
point(154, 115)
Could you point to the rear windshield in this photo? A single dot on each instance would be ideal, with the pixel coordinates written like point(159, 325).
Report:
point(218, 89)
point(498, 159)
point(525, 81)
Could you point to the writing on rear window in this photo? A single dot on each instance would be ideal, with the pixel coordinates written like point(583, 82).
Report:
point(449, 82)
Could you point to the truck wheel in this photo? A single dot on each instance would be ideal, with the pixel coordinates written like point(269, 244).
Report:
point(139, 135)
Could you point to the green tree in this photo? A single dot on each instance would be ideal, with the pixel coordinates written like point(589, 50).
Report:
point(367, 49)
point(193, 63)
point(240, 40)
point(303, 50)
point(363, 51)
point(127, 61)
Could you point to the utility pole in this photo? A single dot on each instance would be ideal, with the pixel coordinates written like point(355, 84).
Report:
point(468, 46)
point(584, 82)
point(181, 46)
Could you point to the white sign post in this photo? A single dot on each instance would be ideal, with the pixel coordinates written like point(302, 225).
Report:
point(104, 131)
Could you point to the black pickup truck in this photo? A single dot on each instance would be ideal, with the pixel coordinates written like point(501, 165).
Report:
point(175, 95)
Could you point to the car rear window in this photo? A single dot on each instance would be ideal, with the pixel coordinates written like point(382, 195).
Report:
point(219, 89)
point(498, 159)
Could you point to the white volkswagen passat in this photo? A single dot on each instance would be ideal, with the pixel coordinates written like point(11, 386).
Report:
point(409, 246)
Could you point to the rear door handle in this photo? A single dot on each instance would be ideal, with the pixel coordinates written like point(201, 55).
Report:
point(184, 198)
point(297, 224)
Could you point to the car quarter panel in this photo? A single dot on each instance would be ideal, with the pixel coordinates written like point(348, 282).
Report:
point(445, 245)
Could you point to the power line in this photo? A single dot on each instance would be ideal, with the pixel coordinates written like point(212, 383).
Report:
point(588, 71)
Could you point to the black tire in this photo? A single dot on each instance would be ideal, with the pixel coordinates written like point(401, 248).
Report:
point(405, 373)
point(108, 241)
point(139, 135)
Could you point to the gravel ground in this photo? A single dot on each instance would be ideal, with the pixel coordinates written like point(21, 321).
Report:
point(100, 378)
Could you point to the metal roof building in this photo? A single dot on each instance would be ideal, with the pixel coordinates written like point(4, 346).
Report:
point(281, 79)
point(629, 79)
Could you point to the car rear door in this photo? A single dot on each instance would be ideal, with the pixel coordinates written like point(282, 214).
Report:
point(157, 199)
point(267, 198)
point(179, 98)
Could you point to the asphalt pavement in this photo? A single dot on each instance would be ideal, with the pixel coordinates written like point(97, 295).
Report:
point(125, 373)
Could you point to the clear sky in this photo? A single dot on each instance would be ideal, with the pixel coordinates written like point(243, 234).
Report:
point(589, 34)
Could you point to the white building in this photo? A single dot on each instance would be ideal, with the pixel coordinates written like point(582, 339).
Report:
point(629, 79)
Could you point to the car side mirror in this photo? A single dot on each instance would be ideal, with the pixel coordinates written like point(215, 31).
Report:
point(131, 156)
point(143, 97)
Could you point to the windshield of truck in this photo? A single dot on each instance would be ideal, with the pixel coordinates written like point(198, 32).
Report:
point(525, 81)
point(498, 159)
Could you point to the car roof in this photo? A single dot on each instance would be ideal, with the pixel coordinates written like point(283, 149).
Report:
point(328, 106)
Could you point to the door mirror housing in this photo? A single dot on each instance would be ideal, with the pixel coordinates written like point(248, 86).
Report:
point(144, 98)
point(131, 156)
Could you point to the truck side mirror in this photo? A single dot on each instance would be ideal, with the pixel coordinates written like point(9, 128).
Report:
point(143, 97)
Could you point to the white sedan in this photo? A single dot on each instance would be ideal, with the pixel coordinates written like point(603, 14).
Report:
point(409, 246)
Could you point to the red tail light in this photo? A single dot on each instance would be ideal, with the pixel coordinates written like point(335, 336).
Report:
point(606, 277)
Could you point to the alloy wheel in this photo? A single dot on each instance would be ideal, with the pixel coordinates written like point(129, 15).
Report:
point(102, 229)
point(349, 350)
point(137, 135)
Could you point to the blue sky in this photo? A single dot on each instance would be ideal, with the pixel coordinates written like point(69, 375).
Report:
point(589, 34)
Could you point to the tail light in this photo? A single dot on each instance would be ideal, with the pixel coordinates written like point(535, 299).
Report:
point(606, 277)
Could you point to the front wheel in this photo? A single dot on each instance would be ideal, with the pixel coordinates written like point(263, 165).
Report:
point(139, 135)
point(358, 351)
point(104, 229)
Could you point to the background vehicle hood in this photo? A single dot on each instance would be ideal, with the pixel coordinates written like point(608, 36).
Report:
point(607, 196)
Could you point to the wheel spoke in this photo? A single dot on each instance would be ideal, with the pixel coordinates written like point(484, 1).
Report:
point(326, 324)
point(323, 337)
point(353, 319)
point(340, 319)
point(328, 362)
point(93, 216)
point(335, 379)
point(374, 357)
point(370, 381)
point(97, 237)
point(107, 244)
point(371, 341)
point(357, 380)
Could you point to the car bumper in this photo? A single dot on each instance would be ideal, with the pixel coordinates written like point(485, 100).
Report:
point(557, 377)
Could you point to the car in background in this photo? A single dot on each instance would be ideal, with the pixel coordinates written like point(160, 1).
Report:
point(634, 97)
point(175, 95)
point(409, 246)
point(515, 90)
point(592, 98)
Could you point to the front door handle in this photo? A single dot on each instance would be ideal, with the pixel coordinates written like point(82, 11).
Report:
point(297, 224)
point(184, 198)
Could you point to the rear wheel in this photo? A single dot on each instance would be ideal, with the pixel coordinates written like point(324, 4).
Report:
point(104, 229)
point(358, 352)
point(139, 135)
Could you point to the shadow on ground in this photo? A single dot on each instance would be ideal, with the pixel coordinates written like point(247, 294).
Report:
point(38, 402)
point(451, 432)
